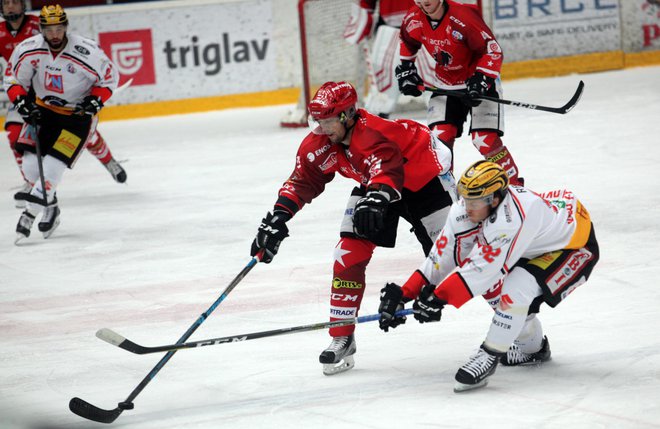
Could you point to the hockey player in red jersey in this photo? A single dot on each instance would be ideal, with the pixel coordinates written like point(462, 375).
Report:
point(400, 168)
point(17, 27)
point(382, 19)
point(60, 109)
point(467, 57)
point(516, 248)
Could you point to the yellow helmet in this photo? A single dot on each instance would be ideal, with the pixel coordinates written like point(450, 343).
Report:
point(52, 15)
point(481, 179)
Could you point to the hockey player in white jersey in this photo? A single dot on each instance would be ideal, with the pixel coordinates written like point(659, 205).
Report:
point(58, 82)
point(516, 248)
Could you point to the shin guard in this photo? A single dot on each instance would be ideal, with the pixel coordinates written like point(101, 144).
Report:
point(489, 144)
point(348, 281)
point(96, 146)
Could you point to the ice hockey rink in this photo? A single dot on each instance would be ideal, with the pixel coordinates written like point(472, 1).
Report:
point(148, 257)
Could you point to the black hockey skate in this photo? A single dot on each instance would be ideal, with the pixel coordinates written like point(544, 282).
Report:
point(338, 357)
point(23, 227)
point(117, 171)
point(49, 220)
point(514, 356)
point(475, 373)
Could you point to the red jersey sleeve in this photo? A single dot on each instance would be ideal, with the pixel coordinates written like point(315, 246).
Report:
point(308, 180)
point(411, 34)
point(482, 42)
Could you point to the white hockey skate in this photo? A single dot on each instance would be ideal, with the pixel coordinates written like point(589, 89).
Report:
point(49, 220)
point(338, 357)
point(515, 356)
point(475, 373)
point(23, 227)
point(117, 171)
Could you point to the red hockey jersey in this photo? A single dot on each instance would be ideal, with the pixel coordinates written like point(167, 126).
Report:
point(29, 28)
point(397, 153)
point(460, 42)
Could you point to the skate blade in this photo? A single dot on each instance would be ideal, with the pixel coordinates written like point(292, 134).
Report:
point(460, 387)
point(19, 237)
point(52, 230)
point(336, 368)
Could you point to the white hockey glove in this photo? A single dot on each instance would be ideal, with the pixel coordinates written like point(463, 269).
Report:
point(360, 25)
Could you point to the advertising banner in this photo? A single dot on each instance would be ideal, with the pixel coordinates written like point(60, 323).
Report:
point(191, 51)
point(535, 29)
point(650, 20)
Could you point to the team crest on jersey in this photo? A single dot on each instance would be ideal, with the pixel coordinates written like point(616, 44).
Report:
point(54, 83)
point(457, 35)
point(71, 68)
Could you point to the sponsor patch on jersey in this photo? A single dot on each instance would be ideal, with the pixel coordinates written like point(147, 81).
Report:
point(83, 50)
point(338, 283)
point(71, 68)
point(457, 35)
point(412, 25)
point(311, 157)
point(54, 83)
point(545, 260)
point(344, 297)
point(330, 162)
point(568, 270)
point(67, 143)
point(493, 46)
point(343, 312)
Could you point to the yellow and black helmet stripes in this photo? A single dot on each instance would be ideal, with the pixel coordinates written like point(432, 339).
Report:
point(52, 15)
point(481, 179)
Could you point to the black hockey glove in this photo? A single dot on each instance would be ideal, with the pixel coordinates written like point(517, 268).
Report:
point(28, 109)
point(391, 301)
point(271, 232)
point(409, 80)
point(89, 106)
point(477, 85)
point(428, 307)
point(369, 215)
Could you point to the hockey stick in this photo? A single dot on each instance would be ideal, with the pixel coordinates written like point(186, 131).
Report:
point(40, 163)
point(561, 110)
point(111, 337)
point(92, 412)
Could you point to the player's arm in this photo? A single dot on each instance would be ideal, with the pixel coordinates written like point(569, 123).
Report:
point(488, 54)
point(409, 81)
point(303, 185)
point(101, 91)
point(17, 82)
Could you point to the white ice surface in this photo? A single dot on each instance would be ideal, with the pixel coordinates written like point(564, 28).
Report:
point(147, 258)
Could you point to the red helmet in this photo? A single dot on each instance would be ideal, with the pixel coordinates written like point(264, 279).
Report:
point(333, 99)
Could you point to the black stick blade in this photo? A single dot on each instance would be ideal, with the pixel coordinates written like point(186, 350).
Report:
point(91, 412)
point(574, 100)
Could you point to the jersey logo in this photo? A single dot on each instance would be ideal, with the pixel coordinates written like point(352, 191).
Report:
point(54, 83)
point(82, 50)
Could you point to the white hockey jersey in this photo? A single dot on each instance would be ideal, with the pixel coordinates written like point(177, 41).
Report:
point(60, 82)
point(525, 225)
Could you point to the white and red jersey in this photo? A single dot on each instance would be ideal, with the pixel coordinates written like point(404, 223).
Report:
point(60, 82)
point(398, 153)
point(391, 11)
point(477, 256)
point(461, 43)
point(9, 38)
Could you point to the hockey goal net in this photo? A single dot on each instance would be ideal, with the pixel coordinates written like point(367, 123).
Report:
point(326, 56)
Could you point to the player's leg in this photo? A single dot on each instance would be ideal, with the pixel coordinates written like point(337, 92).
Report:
point(97, 146)
point(519, 290)
point(487, 129)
